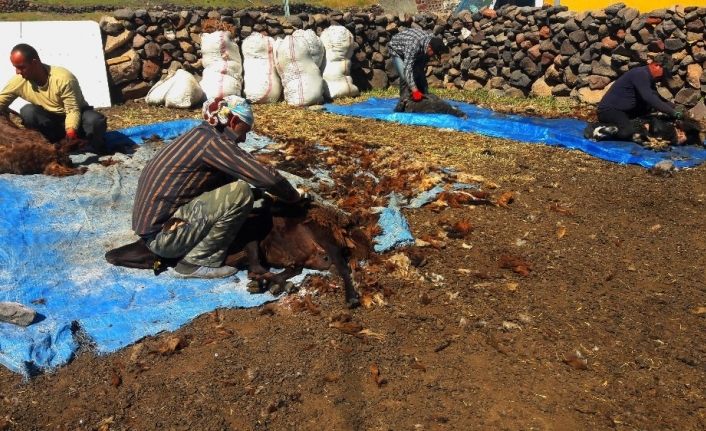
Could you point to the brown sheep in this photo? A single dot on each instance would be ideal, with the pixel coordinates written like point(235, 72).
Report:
point(293, 237)
point(25, 152)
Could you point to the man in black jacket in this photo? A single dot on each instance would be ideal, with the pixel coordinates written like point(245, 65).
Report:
point(634, 95)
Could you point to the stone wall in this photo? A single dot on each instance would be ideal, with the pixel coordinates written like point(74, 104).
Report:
point(541, 51)
point(436, 5)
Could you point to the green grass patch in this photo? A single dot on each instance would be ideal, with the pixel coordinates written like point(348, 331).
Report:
point(137, 4)
point(550, 106)
point(485, 98)
point(46, 16)
point(235, 4)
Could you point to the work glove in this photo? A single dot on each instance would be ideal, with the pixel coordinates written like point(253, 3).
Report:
point(417, 95)
point(71, 134)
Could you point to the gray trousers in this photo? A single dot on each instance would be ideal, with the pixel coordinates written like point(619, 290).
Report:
point(93, 124)
point(210, 223)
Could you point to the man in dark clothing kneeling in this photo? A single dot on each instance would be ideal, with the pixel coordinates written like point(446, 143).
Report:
point(194, 195)
point(634, 95)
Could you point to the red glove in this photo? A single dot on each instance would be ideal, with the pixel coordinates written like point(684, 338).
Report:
point(71, 134)
point(417, 95)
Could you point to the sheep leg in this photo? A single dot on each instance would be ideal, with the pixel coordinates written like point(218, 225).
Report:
point(255, 269)
point(279, 283)
point(351, 293)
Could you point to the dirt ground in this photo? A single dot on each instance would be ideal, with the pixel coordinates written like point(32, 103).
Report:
point(578, 304)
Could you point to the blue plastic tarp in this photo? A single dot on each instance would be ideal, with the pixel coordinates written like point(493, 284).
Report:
point(139, 134)
point(55, 231)
point(394, 228)
point(563, 132)
point(53, 236)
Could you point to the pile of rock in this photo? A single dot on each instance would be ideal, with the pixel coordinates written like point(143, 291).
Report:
point(516, 50)
point(552, 51)
point(7, 6)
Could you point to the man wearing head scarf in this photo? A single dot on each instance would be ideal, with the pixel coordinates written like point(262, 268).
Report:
point(634, 95)
point(410, 51)
point(194, 195)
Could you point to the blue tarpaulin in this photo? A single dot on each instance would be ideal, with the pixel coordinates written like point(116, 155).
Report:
point(139, 134)
point(55, 232)
point(395, 229)
point(563, 132)
point(53, 235)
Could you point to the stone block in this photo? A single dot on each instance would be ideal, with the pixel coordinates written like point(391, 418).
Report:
point(16, 314)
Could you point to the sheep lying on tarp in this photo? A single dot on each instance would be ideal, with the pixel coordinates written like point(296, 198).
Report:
point(293, 237)
point(654, 131)
point(24, 152)
point(430, 104)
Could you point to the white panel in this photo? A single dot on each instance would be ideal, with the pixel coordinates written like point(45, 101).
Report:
point(75, 45)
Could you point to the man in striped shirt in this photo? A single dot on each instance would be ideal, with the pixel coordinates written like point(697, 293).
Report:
point(194, 195)
point(411, 50)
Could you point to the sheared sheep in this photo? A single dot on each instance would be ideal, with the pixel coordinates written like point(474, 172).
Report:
point(430, 104)
point(25, 152)
point(297, 236)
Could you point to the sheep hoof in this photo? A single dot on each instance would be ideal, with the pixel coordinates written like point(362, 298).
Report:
point(276, 289)
point(289, 287)
point(254, 287)
point(353, 302)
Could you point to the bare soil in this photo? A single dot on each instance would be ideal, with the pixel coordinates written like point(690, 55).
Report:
point(578, 304)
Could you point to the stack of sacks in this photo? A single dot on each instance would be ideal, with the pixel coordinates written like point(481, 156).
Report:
point(262, 84)
point(181, 90)
point(338, 42)
point(223, 70)
point(299, 57)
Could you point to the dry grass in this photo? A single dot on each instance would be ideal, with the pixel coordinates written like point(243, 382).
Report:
point(445, 148)
point(500, 159)
point(136, 113)
point(550, 107)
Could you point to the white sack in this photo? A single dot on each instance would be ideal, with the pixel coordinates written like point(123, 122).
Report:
point(223, 70)
point(262, 83)
point(218, 46)
point(296, 58)
point(314, 45)
point(181, 90)
point(338, 42)
point(218, 81)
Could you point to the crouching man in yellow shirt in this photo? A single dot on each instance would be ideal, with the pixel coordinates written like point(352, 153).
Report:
point(56, 106)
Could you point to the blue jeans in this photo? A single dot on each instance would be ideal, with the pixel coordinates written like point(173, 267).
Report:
point(419, 75)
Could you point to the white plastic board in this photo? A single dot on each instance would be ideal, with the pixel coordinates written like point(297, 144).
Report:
point(75, 45)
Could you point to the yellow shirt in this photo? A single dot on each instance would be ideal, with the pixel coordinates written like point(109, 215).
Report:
point(61, 95)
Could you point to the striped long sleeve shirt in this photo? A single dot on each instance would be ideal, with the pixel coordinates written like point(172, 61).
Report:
point(411, 46)
point(200, 160)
